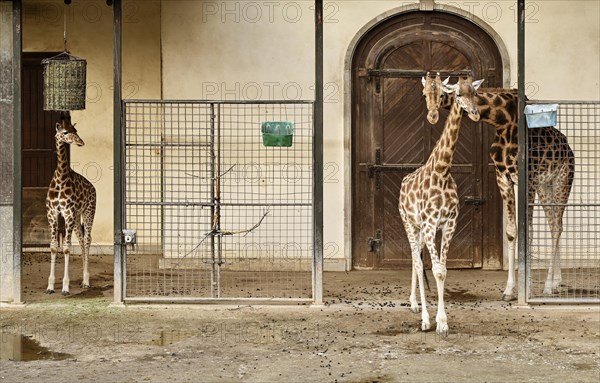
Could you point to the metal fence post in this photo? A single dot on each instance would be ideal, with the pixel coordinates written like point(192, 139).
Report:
point(522, 185)
point(118, 138)
point(17, 180)
point(318, 158)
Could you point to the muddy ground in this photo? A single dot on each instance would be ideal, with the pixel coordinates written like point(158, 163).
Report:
point(364, 333)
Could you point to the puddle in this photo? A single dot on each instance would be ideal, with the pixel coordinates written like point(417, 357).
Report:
point(23, 349)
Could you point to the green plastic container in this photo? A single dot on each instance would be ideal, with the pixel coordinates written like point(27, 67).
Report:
point(277, 133)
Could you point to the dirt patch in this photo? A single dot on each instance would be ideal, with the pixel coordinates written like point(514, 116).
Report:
point(364, 333)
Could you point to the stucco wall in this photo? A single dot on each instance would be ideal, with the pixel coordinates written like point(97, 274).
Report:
point(90, 36)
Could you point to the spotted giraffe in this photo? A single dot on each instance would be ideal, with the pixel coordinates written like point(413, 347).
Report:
point(550, 175)
point(429, 199)
point(73, 197)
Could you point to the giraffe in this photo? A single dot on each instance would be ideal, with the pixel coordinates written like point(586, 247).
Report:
point(551, 173)
point(429, 201)
point(73, 197)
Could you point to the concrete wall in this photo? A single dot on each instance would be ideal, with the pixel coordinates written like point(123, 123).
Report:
point(6, 152)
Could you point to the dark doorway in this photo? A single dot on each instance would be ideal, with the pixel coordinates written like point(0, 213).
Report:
point(389, 128)
point(39, 151)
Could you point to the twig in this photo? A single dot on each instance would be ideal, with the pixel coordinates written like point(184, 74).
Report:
point(216, 232)
point(247, 231)
point(206, 178)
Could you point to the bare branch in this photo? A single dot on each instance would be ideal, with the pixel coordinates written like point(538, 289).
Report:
point(247, 231)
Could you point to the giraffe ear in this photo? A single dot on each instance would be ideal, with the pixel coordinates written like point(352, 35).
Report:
point(445, 82)
point(451, 88)
point(58, 127)
point(477, 84)
point(423, 81)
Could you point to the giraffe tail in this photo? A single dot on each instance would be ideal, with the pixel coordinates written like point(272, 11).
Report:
point(425, 271)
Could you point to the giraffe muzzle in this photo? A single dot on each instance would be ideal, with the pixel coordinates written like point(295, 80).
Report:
point(433, 116)
point(474, 115)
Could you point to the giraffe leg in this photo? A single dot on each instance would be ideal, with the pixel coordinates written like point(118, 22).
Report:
point(53, 221)
point(51, 277)
point(79, 229)
point(69, 222)
point(508, 198)
point(554, 216)
point(530, 201)
point(414, 239)
point(561, 192)
point(414, 305)
point(88, 220)
point(439, 271)
point(417, 267)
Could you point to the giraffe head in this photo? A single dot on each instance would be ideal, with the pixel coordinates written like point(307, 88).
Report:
point(433, 90)
point(66, 132)
point(464, 92)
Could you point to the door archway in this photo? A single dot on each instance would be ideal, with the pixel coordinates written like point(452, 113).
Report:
point(390, 137)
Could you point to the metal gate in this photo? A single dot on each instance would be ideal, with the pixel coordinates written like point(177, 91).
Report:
point(563, 249)
point(212, 209)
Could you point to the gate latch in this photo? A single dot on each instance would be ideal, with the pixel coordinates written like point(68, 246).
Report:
point(130, 238)
point(374, 244)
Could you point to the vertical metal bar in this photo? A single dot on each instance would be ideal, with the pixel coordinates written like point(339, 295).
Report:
point(213, 183)
point(220, 237)
point(522, 186)
point(318, 159)
point(17, 166)
point(118, 145)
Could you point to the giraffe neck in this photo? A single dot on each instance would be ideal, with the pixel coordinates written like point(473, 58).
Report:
point(499, 109)
point(63, 167)
point(440, 160)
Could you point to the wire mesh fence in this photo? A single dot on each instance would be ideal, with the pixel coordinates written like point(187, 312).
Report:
point(563, 206)
point(218, 211)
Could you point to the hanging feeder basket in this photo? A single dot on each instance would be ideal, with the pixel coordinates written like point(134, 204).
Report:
point(541, 115)
point(277, 133)
point(64, 82)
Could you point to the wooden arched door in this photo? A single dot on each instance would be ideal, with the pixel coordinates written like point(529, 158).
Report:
point(391, 137)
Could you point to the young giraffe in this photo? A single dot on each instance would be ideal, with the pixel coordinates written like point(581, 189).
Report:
point(73, 197)
point(429, 200)
point(551, 174)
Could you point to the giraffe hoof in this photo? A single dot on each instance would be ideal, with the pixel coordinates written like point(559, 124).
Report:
point(65, 293)
point(49, 291)
point(415, 309)
point(85, 285)
point(425, 326)
point(550, 291)
point(442, 329)
point(508, 297)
